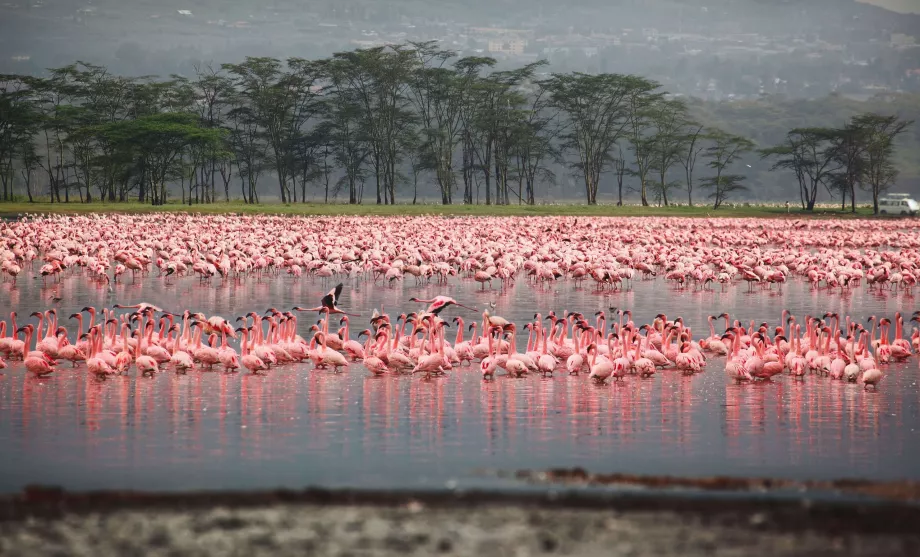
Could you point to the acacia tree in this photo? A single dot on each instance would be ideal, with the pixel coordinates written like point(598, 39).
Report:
point(377, 80)
point(18, 126)
point(667, 142)
point(641, 100)
point(52, 96)
point(692, 143)
point(620, 170)
point(420, 161)
point(246, 144)
point(595, 109)
point(30, 161)
point(849, 146)
point(159, 140)
point(350, 147)
point(726, 148)
point(486, 118)
point(303, 79)
point(103, 98)
point(211, 93)
point(401, 99)
point(507, 123)
point(440, 93)
point(810, 154)
point(879, 134)
point(535, 143)
point(272, 97)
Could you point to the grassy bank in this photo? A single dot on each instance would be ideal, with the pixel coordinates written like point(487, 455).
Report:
point(763, 211)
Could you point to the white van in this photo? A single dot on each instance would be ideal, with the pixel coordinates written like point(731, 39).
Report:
point(898, 204)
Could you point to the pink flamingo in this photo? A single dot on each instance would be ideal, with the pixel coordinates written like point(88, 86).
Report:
point(253, 363)
point(37, 361)
point(601, 370)
point(95, 364)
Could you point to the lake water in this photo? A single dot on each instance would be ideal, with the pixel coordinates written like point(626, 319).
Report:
point(298, 426)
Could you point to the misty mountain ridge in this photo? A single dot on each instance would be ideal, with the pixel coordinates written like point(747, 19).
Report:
point(757, 68)
point(679, 39)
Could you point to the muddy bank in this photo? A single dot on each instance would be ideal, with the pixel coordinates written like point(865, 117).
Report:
point(324, 522)
point(904, 490)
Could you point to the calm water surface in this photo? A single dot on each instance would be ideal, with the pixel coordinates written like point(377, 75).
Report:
point(299, 426)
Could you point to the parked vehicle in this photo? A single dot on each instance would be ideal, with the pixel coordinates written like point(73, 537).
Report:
point(898, 204)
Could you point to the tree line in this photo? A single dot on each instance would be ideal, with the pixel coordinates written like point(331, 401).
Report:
point(383, 119)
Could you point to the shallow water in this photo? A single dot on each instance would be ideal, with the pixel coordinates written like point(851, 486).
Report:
point(299, 426)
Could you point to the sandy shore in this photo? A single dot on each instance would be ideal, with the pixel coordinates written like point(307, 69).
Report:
point(376, 523)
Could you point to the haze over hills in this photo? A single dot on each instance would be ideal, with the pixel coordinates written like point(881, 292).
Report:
point(901, 6)
point(757, 68)
point(712, 49)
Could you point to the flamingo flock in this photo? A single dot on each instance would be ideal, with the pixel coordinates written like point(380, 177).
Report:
point(110, 342)
point(833, 256)
point(609, 253)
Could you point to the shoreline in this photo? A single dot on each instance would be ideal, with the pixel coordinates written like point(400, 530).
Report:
point(13, 210)
point(877, 515)
point(481, 523)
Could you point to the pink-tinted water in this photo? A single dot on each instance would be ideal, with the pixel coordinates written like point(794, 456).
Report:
point(299, 426)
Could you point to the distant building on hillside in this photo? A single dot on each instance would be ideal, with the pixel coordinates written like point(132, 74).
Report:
point(500, 32)
point(502, 40)
point(507, 46)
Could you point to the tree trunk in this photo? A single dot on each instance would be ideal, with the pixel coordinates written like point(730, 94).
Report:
point(853, 197)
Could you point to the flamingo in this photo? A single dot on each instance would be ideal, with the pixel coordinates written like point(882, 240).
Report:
point(373, 364)
point(328, 356)
point(96, 364)
point(600, 371)
point(546, 363)
point(37, 362)
point(253, 363)
point(329, 303)
point(353, 347)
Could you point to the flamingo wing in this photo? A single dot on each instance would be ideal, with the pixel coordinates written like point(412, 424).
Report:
point(332, 298)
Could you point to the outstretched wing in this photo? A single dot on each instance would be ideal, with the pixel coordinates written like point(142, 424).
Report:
point(332, 298)
point(438, 306)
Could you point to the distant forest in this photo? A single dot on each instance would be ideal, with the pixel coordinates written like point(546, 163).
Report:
point(412, 122)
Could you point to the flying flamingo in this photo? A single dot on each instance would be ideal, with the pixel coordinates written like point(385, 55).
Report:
point(329, 303)
point(440, 303)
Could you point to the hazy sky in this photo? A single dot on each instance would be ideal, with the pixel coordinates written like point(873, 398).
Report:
point(897, 5)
